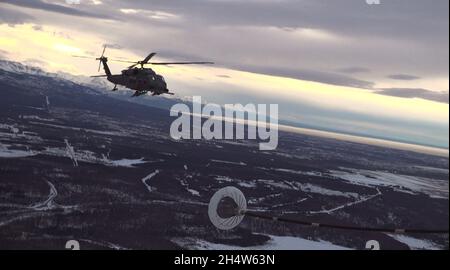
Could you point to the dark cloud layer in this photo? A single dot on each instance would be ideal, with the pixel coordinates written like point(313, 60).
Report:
point(12, 17)
point(403, 77)
point(393, 18)
point(353, 70)
point(409, 36)
point(416, 93)
point(37, 4)
point(310, 75)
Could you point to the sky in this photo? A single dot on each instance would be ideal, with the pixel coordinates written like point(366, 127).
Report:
point(374, 70)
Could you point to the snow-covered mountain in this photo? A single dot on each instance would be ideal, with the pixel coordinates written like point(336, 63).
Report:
point(21, 68)
point(98, 85)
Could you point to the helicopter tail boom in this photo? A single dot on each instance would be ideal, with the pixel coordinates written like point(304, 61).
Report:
point(104, 61)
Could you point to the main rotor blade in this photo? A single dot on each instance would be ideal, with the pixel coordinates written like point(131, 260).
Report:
point(180, 63)
point(80, 56)
point(143, 62)
point(146, 59)
point(115, 60)
point(99, 64)
point(97, 76)
point(123, 61)
point(104, 49)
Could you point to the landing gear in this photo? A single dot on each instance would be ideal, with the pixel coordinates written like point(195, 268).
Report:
point(154, 92)
point(115, 88)
point(139, 93)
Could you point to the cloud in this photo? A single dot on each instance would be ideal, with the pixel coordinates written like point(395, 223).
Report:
point(344, 16)
point(35, 62)
point(38, 28)
point(346, 36)
point(288, 70)
point(353, 70)
point(442, 97)
point(310, 75)
point(112, 46)
point(37, 4)
point(342, 42)
point(151, 14)
point(403, 77)
point(3, 54)
point(12, 17)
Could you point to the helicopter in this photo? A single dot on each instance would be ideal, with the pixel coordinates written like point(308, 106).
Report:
point(136, 77)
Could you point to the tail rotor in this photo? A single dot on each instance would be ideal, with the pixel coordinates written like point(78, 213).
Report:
point(101, 58)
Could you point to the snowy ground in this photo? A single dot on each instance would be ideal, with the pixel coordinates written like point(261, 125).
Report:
point(398, 182)
point(275, 243)
point(74, 165)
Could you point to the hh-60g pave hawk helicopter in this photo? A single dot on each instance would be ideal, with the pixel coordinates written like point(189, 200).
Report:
point(141, 79)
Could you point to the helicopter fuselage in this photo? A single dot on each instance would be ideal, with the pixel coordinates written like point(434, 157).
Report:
point(142, 80)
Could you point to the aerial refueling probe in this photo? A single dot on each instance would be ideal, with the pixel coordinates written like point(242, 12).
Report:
point(228, 207)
